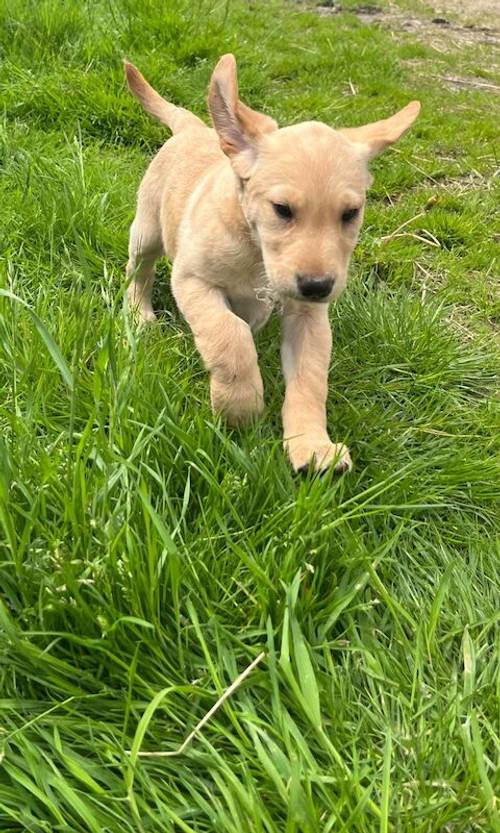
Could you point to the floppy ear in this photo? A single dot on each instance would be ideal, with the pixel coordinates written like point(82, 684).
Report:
point(377, 136)
point(238, 126)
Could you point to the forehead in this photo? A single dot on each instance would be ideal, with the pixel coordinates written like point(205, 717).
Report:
point(311, 159)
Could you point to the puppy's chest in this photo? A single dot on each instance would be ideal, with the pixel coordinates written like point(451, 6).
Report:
point(243, 281)
point(236, 268)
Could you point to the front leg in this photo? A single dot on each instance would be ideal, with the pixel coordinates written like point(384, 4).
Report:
point(226, 346)
point(305, 353)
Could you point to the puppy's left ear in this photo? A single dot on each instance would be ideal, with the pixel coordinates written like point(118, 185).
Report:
point(238, 126)
point(377, 136)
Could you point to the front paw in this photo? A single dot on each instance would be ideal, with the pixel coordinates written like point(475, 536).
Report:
point(238, 401)
point(318, 454)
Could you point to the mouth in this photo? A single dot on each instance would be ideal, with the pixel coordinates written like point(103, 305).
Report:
point(323, 296)
point(325, 299)
point(275, 298)
point(276, 289)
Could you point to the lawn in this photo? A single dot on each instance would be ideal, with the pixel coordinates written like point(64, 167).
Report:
point(148, 554)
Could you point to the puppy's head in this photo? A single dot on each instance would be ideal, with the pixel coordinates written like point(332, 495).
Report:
point(302, 187)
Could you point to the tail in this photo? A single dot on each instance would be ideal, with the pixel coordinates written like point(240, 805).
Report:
point(176, 118)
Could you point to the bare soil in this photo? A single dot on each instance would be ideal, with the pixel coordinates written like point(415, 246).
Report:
point(454, 22)
point(478, 12)
point(465, 27)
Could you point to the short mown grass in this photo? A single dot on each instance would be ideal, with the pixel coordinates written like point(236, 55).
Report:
point(148, 554)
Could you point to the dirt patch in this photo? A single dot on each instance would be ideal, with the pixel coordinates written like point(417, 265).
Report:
point(439, 31)
point(476, 12)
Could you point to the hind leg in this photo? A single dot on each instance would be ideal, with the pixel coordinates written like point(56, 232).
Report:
point(145, 247)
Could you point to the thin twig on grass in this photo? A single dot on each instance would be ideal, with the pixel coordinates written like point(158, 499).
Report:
point(227, 693)
point(395, 233)
point(430, 240)
point(469, 82)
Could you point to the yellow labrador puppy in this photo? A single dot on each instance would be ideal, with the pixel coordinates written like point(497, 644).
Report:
point(250, 214)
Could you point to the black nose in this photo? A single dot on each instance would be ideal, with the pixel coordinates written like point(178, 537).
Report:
point(313, 287)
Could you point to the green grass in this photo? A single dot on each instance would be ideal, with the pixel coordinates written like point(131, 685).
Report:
point(148, 554)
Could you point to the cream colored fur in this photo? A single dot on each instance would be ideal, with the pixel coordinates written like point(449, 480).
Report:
point(209, 201)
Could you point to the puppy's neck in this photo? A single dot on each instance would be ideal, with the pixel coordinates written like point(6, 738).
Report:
point(230, 193)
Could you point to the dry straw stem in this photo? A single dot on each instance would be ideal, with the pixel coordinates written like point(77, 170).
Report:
point(431, 202)
point(469, 82)
point(199, 726)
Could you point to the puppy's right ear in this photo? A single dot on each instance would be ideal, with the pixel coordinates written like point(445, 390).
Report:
point(375, 137)
point(238, 126)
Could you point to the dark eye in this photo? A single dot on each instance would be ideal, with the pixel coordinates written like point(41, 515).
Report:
point(350, 215)
point(283, 210)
